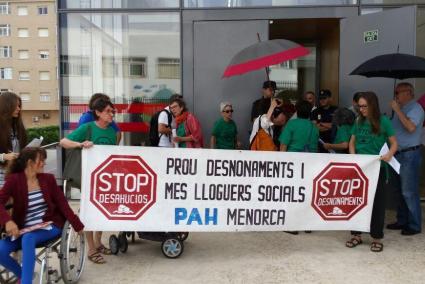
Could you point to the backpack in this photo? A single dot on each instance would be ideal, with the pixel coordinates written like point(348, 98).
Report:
point(262, 140)
point(154, 135)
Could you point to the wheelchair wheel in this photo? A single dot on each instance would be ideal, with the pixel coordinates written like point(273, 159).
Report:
point(172, 247)
point(72, 254)
point(114, 244)
point(123, 243)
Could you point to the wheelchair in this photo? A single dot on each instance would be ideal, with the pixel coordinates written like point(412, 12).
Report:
point(70, 250)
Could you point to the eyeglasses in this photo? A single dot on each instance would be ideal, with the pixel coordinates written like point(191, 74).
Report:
point(227, 111)
point(362, 106)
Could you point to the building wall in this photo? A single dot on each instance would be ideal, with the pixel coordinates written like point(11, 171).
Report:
point(38, 96)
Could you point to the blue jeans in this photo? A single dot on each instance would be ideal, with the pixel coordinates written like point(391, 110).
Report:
point(27, 242)
point(409, 210)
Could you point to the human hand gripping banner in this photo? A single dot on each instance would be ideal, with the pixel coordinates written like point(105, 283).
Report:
point(169, 189)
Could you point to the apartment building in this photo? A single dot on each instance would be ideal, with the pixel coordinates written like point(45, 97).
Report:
point(28, 58)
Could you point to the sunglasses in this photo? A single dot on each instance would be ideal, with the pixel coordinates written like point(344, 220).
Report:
point(228, 111)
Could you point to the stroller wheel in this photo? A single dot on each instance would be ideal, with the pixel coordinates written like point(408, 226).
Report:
point(183, 236)
point(123, 243)
point(172, 247)
point(114, 244)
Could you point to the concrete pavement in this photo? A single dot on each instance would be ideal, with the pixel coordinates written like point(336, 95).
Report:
point(267, 257)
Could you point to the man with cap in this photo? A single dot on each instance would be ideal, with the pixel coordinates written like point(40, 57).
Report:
point(261, 106)
point(407, 122)
point(322, 117)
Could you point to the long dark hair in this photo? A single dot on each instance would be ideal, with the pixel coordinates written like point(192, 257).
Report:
point(373, 114)
point(27, 154)
point(343, 116)
point(9, 124)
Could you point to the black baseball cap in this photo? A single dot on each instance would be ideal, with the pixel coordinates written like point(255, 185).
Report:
point(324, 93)
point(269, 84)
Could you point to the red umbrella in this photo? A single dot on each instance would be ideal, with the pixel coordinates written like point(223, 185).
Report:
point(264, 54)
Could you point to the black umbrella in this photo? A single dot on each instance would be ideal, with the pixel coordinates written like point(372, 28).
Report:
point(395, 65)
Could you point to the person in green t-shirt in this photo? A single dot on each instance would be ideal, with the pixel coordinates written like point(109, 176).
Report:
point(343, 120)
point(300, 134)
point(369, 133)
point(98, 132)
point(224, 133)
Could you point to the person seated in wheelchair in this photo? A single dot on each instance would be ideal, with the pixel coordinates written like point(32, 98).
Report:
point(37, 202)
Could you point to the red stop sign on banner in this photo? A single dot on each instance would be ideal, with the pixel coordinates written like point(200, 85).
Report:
point(123, 187)
point(340, 191)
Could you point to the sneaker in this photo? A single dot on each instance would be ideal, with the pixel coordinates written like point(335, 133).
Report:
point(409, 232)
point(395, 226)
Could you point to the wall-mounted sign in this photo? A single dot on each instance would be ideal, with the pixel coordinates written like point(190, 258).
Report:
point(370, 36)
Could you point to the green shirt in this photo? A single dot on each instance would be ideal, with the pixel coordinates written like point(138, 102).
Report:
point(343, 134)
point(99, 136)
point(368, 142)
point(298, 133)
point(181, 132)
point(225, 134)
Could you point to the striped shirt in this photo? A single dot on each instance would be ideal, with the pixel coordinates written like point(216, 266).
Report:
point(37, 207)
point(2, 176)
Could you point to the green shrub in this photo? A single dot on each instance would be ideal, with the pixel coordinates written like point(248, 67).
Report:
point(49, 133)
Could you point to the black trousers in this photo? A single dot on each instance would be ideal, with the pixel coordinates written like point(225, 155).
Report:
point(378, 211)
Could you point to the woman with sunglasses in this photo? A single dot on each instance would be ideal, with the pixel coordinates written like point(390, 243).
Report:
point(189, 133)
point(369, 133)
point(98, 132)
point(224, 133)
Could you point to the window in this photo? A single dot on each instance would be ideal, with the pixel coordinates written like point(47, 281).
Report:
point(168, 68)
point(25, 97)
point(6, 73)
point(24, 75)
point(43, 32)
point(22, 11)
point(43, 54)
point(4, 8)
point(23, 32)
point(45, 97)
point(137, 67)
point(4, 30)
point(5, 51)
point(42, 10)
point(23, 54)
point(44, 75)
point(74, 66)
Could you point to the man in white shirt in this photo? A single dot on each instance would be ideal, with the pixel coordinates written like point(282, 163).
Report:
point(166, 124)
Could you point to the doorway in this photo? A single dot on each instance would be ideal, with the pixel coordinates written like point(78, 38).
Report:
point(319, 69)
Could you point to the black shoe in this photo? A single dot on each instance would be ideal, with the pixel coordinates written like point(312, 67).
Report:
point(409, 232)
point(292, 232)
point(395, 226)
point(307, 232)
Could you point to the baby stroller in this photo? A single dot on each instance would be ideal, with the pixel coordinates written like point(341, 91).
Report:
point(171, 242)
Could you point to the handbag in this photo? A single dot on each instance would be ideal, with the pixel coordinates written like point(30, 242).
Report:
point(262, 140)
point(72, 169)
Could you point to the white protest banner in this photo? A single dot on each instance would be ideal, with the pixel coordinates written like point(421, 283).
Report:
point(166, 189)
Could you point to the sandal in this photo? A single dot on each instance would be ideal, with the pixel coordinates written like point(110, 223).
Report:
point(97, 258)
point(103, 250)
point(376, 247)
point(353, 242)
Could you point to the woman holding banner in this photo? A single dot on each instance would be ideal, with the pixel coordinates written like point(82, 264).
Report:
point(98, 132)
point(369, 133)
point(189, 133)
